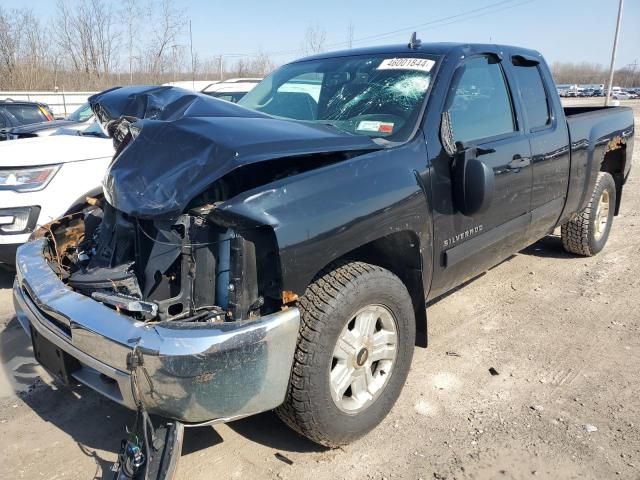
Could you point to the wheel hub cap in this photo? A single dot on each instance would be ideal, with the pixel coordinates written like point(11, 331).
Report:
point(602, 215)
point(363, 358)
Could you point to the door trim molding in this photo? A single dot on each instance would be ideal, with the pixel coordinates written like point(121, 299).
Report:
point(474, 245)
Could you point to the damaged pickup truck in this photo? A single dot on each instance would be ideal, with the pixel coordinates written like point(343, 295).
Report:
point(279, 253)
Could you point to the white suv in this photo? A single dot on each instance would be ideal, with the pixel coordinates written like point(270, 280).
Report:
point(43, 178)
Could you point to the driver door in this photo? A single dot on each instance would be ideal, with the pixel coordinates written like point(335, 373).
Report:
point(483, 114)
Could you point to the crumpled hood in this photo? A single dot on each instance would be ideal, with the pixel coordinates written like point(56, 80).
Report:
point(172, 144)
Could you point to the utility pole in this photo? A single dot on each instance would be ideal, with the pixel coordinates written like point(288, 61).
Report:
point(193, 65)
point(613, 54)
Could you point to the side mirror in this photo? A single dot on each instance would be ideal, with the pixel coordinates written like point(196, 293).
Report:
point(472, 180)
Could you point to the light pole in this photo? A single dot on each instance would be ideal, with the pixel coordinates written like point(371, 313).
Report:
point(613, 54)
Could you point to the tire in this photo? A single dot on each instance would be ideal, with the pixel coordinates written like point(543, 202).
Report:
point(588, 232)
point(344, 299)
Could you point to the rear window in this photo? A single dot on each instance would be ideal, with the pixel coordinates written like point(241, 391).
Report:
point(25, 114)
point(228, 96)
point(534, 96)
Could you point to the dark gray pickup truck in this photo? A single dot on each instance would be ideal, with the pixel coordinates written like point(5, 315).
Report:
point(279, 253)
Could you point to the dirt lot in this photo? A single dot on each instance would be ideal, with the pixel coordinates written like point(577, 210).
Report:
point(562, 332)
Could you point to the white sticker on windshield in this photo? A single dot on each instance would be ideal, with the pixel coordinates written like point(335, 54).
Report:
point(422, 64)
point(373, 126)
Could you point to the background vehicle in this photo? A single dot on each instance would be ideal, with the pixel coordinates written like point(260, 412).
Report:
point(14, 114)
point(43, 178)
point(79, 120)
point(621, 95)
point(297, 238)
point(193, 85)
point(231, 90)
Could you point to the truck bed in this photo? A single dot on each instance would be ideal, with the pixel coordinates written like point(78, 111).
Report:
point(572, 111)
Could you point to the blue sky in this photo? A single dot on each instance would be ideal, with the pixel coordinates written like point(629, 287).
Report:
point(564, 30)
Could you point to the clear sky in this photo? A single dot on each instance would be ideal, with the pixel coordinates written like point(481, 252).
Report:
point(564, 30)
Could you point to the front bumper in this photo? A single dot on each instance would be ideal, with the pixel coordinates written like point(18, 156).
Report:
point(199, 372)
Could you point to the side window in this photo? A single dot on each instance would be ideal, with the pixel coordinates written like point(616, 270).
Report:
point(26, 114)
point(479, 102)
point(3, 122)
point(534, 96)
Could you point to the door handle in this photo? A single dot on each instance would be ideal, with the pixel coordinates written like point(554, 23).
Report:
point(519, 162)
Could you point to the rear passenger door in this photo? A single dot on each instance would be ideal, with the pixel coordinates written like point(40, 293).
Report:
point(549, 141)
point(483, 113)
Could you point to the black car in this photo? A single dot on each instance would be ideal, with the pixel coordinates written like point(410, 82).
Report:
point(78, 120)
point(17, 113)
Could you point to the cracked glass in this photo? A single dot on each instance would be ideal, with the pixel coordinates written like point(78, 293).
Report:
point(377, 95)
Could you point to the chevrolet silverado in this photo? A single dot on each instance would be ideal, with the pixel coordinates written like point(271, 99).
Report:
point(279, 253)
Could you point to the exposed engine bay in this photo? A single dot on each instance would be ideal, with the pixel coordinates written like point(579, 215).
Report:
point(187, 269)
point(161, 245)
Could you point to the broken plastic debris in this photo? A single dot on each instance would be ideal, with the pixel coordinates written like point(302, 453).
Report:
point(282, 458)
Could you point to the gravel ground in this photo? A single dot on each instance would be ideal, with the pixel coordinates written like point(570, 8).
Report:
point(562, 332)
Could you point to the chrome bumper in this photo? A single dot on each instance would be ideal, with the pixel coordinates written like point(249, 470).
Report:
point(200, 372)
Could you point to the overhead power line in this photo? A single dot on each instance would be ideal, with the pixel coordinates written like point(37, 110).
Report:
point(494, 7)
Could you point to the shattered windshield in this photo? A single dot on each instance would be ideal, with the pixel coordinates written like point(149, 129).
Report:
point(379, 96)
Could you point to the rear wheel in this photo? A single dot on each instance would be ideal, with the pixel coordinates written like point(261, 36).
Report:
point(588, 232)
point(354, 352)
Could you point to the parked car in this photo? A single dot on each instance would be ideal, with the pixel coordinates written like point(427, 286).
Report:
point(193, 85)
point(620, 95)
point(633, 93)
point(17, 113)
point(280, 253)
point(46, 177)
point(231, 90)
point(79, 120)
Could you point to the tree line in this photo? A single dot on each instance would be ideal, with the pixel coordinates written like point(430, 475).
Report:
point(586, 73)
point(96, 44)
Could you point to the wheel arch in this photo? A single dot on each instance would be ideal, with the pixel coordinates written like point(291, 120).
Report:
point(400, 253)
point(614, 162)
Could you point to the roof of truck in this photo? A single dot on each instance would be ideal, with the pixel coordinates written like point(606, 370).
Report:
point(437, 48)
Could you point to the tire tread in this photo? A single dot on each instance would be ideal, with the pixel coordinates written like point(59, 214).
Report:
point(327, 288)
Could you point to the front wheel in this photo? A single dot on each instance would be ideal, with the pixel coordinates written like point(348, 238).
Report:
point(587, 233)
point(354, 352)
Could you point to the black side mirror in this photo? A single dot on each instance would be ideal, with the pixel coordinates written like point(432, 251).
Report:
point(472, 180)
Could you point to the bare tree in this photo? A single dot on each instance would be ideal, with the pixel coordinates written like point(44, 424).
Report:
point(168, 24)
point(261, 65)
point(314, 40)
point(133, 12)
point(87, 36)
point(8, 43)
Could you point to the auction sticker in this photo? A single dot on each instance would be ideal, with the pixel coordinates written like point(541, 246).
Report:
point(422, 64)
point(372, 126)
